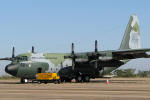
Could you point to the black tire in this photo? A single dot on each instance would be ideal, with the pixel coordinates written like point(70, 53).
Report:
point(78, 79)
point(32, 81)
point(55, 82)
point(86, 79)
point(39, 82)
point(59, 81)
point(22, 80)
point(45, 82)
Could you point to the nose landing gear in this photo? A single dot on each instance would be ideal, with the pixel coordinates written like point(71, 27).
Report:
point(23, 80)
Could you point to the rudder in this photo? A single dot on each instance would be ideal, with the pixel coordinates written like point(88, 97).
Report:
point(131, 39)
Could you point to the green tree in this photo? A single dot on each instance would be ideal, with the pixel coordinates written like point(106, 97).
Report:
point(125, 72)
point(143, 73)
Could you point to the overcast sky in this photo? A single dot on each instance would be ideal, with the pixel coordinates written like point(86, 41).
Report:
point(52, 25)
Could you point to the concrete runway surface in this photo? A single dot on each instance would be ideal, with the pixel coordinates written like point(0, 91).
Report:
point(118, 89)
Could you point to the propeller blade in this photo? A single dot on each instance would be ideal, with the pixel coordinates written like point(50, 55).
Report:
point(72, 48)
point(6, 59)
point(32, 49)
point(73, 63)
point(96, 49)
point(96, 54)
point(73, 57)
point(13, 52)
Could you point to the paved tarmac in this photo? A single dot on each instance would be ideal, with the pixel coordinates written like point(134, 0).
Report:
point(118, 89)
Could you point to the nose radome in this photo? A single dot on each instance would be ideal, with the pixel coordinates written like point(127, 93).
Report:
point(11, 69)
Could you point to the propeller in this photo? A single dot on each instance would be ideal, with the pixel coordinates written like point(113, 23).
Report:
point(96, 54)
point(13, 52)
point(96, 48)
point(94, 57)
point(10, 58)
point(72, 56)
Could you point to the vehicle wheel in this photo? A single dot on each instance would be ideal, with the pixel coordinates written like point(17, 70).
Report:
point(32, 81)
point(78, 79)
point(39, 82)
point(55, 82)
point(45, 82)
point(59, 81)
point(86, 79)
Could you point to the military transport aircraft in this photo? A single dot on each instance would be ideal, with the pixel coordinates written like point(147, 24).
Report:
point(79, 66)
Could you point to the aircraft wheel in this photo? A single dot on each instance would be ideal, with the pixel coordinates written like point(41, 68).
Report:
point(23, 80)
point(26, 80)
point(78, 79)
point(86, 79)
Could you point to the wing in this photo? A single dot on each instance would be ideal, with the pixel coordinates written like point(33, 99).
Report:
point(131, 54)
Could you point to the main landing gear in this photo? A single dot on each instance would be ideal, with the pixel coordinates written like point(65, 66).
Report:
point(82, 79)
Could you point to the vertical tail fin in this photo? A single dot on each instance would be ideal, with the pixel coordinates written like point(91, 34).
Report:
point(131, 39)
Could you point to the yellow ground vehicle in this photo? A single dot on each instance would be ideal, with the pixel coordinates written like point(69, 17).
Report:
point(47, 77)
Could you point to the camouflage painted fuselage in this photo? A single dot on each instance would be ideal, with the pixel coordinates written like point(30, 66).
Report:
point(28, 64)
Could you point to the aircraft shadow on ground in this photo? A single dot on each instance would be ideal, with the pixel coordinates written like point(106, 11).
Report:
point(10, 83)
point(115, 81)
point(93, 81)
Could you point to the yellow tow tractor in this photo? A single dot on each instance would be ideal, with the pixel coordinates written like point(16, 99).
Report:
point(47, 77)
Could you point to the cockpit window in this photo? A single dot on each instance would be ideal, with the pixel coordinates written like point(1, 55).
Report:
point(24, 64)
point(24, 58)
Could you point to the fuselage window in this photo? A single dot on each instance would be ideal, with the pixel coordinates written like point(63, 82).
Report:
point(22, 65)
point(21, 58)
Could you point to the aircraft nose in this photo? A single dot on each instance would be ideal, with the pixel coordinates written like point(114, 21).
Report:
point(11, 69)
